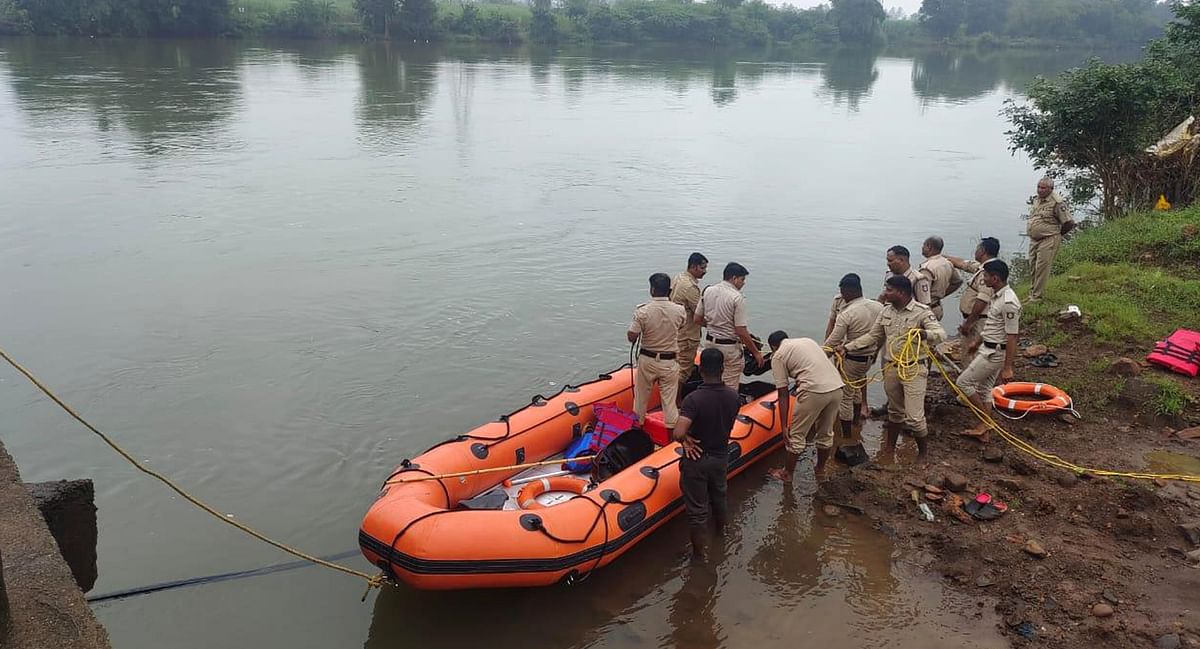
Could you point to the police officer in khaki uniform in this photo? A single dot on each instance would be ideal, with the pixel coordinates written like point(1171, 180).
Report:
point(898, 264)
point(722, 310)
point(976, 296)
point(817, 386)
point(685, 291)
point(852, 321)
point(1049, 221)
point(997, 347)
point(906, 397)
point(943, 281)
point(657, 323)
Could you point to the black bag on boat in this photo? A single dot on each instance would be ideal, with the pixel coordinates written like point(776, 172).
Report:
point(756, 389)
point(626, 450)
point(752, 368)
point(494, 499)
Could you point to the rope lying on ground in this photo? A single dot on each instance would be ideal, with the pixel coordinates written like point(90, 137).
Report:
point(907, 360)
point(373, 581)
point(1050, 458)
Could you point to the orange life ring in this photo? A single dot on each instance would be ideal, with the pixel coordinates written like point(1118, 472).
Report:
point(1052, 399)
point(527, 496)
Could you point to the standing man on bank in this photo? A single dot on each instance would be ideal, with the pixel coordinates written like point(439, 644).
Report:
point(851, 322)
point(685, 291)
point(817, 387)
point(997, 347)
point(705, 422)
point(1049, 221)
point(976, 296)
point(657, 323)
point(899, 265)
point(722, 310)
point(943, 280)
point(905, 387)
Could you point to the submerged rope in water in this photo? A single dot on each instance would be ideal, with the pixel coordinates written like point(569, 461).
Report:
point(373, 581)
point(209, 579)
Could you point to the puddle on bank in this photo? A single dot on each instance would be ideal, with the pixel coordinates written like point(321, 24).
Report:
point(1168, 462)
point(785, 574)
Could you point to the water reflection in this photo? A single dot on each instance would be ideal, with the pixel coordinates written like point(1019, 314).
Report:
point(164, 94)
point(395, 87)
point(943, 75)
point(848, 76)
point(693, 622)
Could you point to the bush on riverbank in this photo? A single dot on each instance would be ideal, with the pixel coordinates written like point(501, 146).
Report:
point(1092, 125)
point(1136, 278)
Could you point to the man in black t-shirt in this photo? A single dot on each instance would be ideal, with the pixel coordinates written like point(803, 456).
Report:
point(705, 421)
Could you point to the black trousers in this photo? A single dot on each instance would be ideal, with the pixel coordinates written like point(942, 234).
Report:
point(703, 484)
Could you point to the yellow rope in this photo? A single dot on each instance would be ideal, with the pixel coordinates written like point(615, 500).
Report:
point(373, 581)
point(1050, 458)
point(907, 358)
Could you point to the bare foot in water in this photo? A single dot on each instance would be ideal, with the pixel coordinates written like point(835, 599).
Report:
point(781, 475)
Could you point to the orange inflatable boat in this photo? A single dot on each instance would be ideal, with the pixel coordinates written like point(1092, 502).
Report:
point(420, 533)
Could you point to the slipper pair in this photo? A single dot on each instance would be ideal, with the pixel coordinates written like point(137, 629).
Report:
point(1045, 360)
point(985, 508)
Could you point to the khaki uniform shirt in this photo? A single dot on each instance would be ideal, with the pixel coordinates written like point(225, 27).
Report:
point(839, 303)
point(723, 307)
point(975, 289)
point(1003, 316)
point(892, 326)
point(658, 321)
point(685, 292)
point(943, 279)
point(920, 284)
point(803, 361)
point(854, 320)
point(1046, 217)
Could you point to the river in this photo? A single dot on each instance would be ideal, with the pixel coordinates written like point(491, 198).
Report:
point(274, 270)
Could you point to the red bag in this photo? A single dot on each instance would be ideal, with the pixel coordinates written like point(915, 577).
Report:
point(611, 421)
point(1180, 352)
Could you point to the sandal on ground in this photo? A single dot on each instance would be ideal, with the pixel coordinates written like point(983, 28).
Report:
point(1045, 360)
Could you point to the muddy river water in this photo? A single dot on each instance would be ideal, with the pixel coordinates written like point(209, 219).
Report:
point(274, 270)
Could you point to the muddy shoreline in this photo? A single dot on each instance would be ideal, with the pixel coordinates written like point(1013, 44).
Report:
point(1115, 571)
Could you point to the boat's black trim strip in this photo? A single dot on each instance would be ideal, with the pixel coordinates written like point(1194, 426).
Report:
point(555, 564)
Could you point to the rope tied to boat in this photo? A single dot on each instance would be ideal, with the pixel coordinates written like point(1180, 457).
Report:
point(373, 581)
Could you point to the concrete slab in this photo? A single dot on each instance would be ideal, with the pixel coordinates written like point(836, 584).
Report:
point(46, 609)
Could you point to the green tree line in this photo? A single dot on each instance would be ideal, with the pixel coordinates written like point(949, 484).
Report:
point(1092, 125)
point(1106, 21)
point(738, 22)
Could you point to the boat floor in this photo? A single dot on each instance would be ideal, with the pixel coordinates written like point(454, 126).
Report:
point(547, 499)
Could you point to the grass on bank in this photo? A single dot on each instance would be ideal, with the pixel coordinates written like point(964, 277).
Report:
point(1136, 278)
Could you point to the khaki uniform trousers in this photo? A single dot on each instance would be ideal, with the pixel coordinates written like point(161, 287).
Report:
point(666, 374)
point(735, 363)
point(687, 357)
point(812, 420)
point(1041, 259)
point(980, 376)
point(906, 399)
point(851, 397)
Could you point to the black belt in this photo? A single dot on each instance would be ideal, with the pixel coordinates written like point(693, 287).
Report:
point(860, 359)
point(995, 345)
point(665, 356)
point(722, 341)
